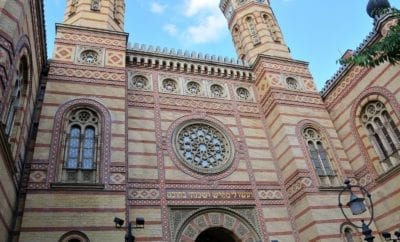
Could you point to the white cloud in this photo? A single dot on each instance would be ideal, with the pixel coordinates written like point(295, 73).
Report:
point(207, 22)
point(156, 7)
point(208, 30)
point(171, 29)
point(193, 7)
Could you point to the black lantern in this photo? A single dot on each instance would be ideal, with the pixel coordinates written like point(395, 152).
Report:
point(356, 204)
point(357, 207)
point(388, 237)
point(129, 237)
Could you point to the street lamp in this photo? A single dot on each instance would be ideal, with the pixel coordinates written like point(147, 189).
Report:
point(357, 207)
point(129, 237)
point(388, 237)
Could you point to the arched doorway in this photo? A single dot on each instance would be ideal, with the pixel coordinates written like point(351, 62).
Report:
point(216, 225)
point(217, 235)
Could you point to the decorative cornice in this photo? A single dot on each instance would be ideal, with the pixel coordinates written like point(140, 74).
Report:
point(186, 55)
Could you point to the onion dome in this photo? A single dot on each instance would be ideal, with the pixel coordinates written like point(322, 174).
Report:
point(374, 6)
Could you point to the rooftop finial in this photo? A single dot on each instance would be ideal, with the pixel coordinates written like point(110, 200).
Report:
point(374, 6)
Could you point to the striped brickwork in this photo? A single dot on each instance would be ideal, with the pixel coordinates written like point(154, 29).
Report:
point(108, 16)
point(380, 83)
point(313, 204)
point(158, 178)
point(269, 39)
point(102, 88)
point(269, 191)
point(21, 42)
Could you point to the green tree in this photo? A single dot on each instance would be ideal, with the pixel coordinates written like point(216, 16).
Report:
point(386, 49)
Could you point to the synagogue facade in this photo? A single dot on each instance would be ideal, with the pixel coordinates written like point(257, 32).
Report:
point(203, 148)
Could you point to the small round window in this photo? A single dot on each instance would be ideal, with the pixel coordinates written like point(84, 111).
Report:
point(138, 82)
point(292, 83)
point(217, 90)
point(203, 147)
point(89, 57)
point(243, 93)
point(169, 85)
point(193, 88)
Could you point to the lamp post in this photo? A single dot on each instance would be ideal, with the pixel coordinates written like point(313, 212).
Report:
point(357, 207)
point(129, 237)
point(388, 237)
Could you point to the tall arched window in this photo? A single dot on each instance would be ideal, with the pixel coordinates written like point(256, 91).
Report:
point(383, 133)
point(272, 28)
point(348, 235)
point(319, 157)
point(80, 163)
point(253, 30)
point(16, 99)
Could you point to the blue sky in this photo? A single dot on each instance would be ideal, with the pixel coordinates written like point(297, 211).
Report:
point(316, 31)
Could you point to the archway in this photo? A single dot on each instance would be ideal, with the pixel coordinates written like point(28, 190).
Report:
point(218, 234)
point(217, 225)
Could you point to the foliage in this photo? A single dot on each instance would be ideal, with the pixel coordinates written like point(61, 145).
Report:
point(385, 50)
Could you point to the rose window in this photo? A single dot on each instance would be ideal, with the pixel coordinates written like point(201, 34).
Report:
point(169, 85)
point(89, 56)
point(193, 88)
point(217, 90)
point(372, 110)
point(243, 93)
point(138, 82)
point(203, 148)
point(292, 83)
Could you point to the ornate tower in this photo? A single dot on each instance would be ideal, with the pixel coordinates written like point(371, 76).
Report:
point(254, 29)
point(101, 14)
point(86, 82)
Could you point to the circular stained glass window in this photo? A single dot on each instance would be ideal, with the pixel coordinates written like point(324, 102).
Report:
point(243, 93)
point(193, 88)
point(169, 85)
point(138, 82)
point(203, 147)
point(89, 56)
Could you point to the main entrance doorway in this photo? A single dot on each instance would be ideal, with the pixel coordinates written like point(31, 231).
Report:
point(217, 235)
point(215, 225)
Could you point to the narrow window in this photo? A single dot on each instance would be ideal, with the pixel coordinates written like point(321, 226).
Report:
point(319, 157)
point(383, 133)
point(80, 159)
point(253, 31)
point(18, 93)
point(348, 235)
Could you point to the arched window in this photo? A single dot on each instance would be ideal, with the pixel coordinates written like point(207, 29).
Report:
point(348, 235)
point(17, 95)
point(383, 133)
point(319, 157)
point(253, 30)
point(272, 28)
point(81, 147)
point(74, 236)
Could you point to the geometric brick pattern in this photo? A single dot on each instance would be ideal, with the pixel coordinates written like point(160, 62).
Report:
point(299, 185)
point(143, 194)
point(63, 53)
point(117, 178)
point(115, 59)
point(270, 194)
point(73, 72)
